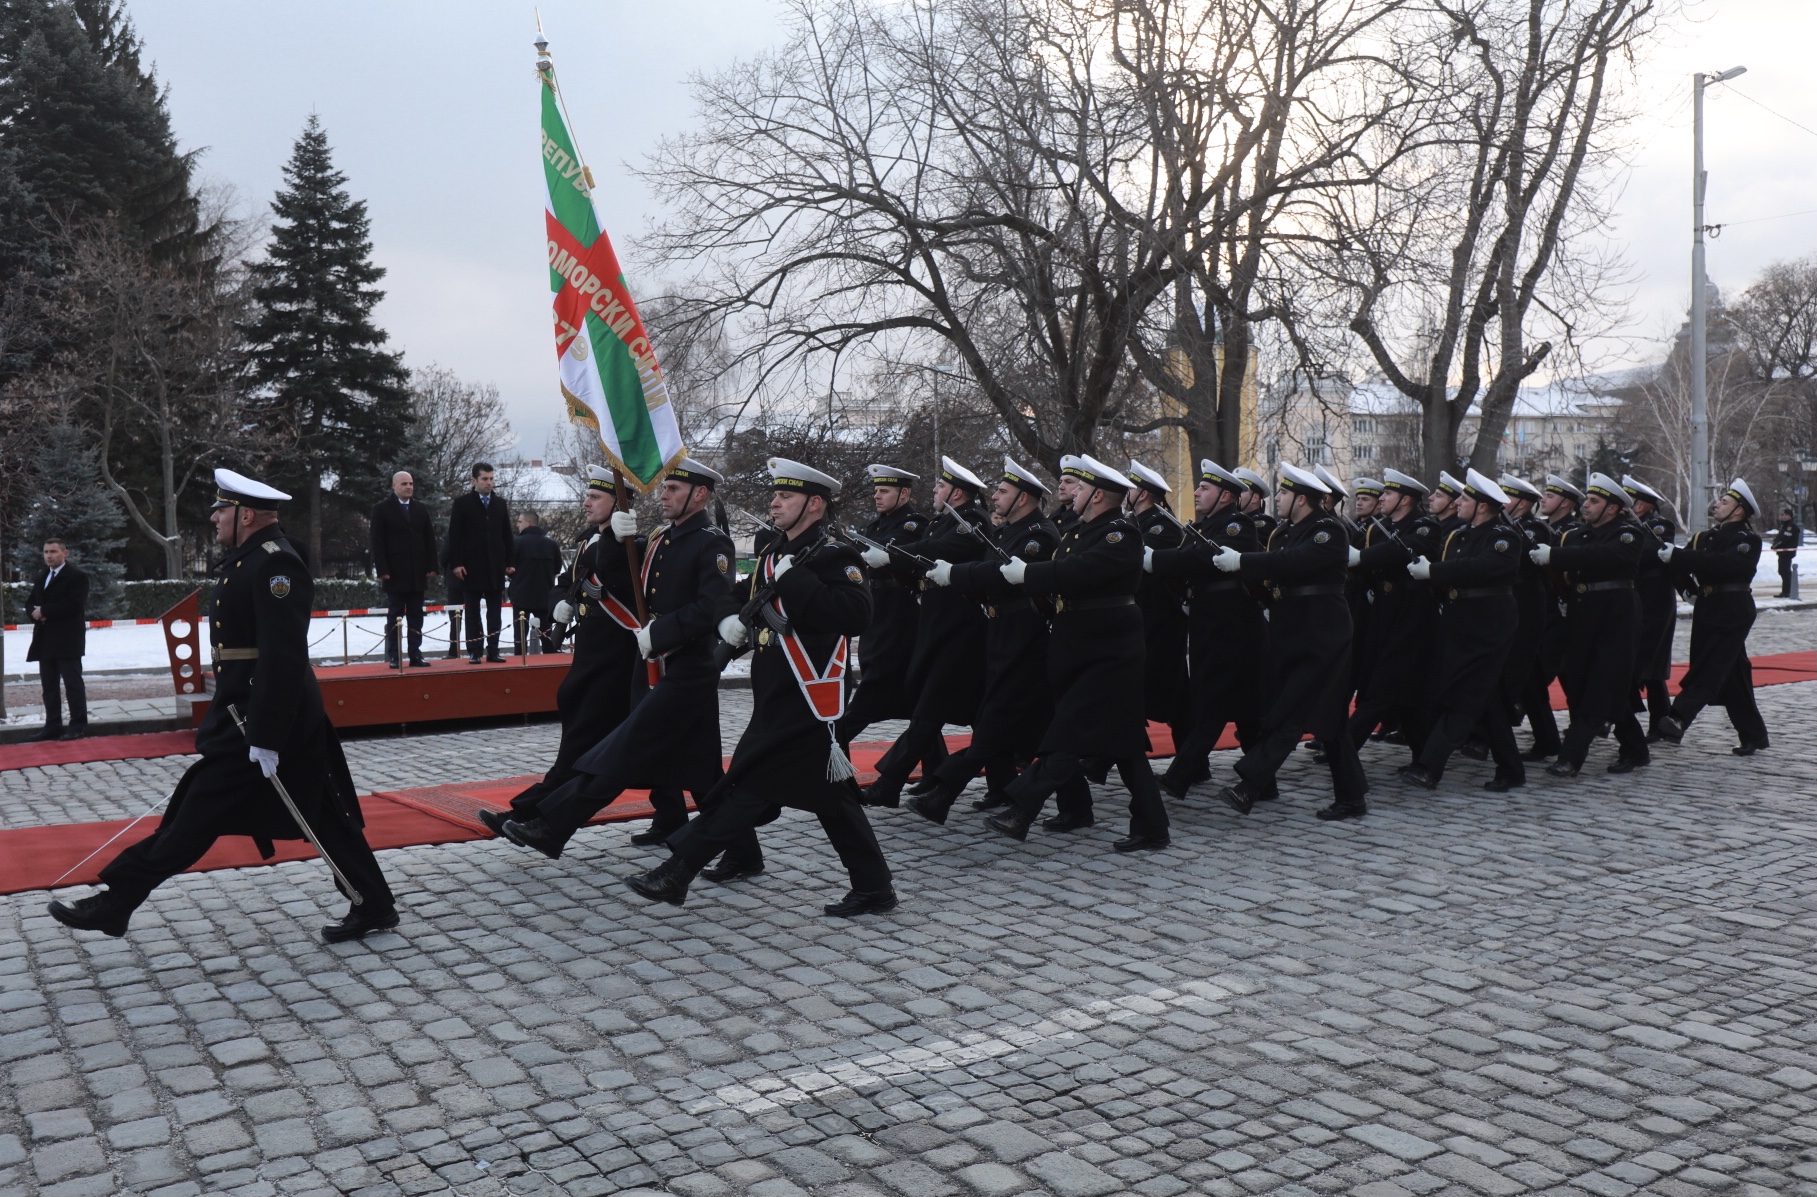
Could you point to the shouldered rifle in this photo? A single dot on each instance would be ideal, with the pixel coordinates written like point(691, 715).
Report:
point(893, 550)
point(1185, 527)
point(760, 607)
point(976, 531)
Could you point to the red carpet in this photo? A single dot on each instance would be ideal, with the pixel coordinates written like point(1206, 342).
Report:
point(97, 748)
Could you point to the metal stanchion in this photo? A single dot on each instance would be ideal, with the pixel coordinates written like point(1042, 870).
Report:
point(400, 644)
point(346, 654)
point(454, 632)
point(523, 629)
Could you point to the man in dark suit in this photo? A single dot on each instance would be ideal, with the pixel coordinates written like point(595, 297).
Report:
point(59, 609)
point(403, 555)
point(537, 560)
point(479, 554)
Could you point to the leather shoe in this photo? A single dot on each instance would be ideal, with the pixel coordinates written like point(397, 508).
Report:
point(98, 912)
point(1749, 749)
point(1011, 822)
point(1334, 812)
point(1069, 821)
point(1625, 764)
point(75, 733)
point(49, 733)
point(885, 792)
point(534, 833)
point(731, 870)
point(856, 903)
point(1173, 787)
point(473, 660)
point(932, 805)
point(391, 663)
point(991, 801)
point(1502, 782)
point(923, 785)
point(1671, 729)
point(667, 882)
point(1418, 775)
point(1562, 769)
point(1476, 750)
point(1238, 797)
point(652, 835)
point(494, 820)
point(1140, 843)
point(359, 923)
point(495, 659)
point(417, 661)
point(1538, 754)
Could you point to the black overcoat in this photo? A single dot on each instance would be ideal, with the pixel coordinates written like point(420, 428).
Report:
point(1164, 634)
point(479, 540)
point(889, 641)
point(946, 670)
point(1478, 615)
point(1226, 634)
point(537, 560)
point(62, 634)
point(1718, 567)
point(1308, 634)
point(1016, 705)
point(403, 546)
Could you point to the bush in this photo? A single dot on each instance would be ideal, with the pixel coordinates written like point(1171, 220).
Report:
point(148, 600)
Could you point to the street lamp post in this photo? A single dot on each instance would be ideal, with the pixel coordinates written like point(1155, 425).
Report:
point(1697, 518)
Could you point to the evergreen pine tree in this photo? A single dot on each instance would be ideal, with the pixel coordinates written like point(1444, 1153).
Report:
point(68, 501)
point(317, 360)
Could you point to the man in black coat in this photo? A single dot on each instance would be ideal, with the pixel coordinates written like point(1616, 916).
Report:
point(1308, 647)
point(259, 618)
point(479, 555)
point(1403, 614)
point(1658, 604)
point(802, 604)
point(1786, 539)
point(58, 605)
point(536, 560)
point(403, 556)
point(1718, 566)
point(889, 642)
point(1162, 602)
point(1094, 662)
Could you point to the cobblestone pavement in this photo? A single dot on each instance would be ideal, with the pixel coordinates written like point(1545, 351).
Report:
point(1598, 986)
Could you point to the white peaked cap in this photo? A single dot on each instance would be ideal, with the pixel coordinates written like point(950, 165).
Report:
point(1251, 479)
point(1447, 482)
point(1514, 482)
point(1608, 488)
point(1305, 481)
point(1095, 473)
point(1563, 486)
point(1405, 483)
point(952, 471)
point(793, 475)
point(1022, 476)
point(889, 475)
point(696, 473)
point(1740, 490)
point(234, 489)
point(1210, 471)
point(1331, 480)
point(1480, 486)
point(1641, 490)
point(1366, 486)
point(1147, 479)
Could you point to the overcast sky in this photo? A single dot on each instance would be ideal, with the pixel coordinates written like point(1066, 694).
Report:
point(432, 113)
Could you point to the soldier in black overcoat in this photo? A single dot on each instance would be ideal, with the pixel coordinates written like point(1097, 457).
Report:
point(1162, 601)
point(670, 740)
point(946, 672)
point(1254, 504)
point(1557, 515)
point(802, 605)
point(1308, 648)
point(259, 618)
point(1473, 579)
point(1658, 605)
point(889, 643)
point(605, 671)
point(1718, 568)
point(1015, 707)
point(1598, 561)
point(1225, 628)
point(1403, 614)
point(1365, 494)
point(1094, 662)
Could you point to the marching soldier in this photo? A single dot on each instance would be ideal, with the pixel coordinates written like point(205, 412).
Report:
point(1364, 495)
point(1719, 566)
point(1308, 648)
point(670, 740)
point(1225, 628)
point(259, 613)
point(1658, 605)
point(1162, 603)
point(1441, 504)
point(1015, 706)
point(1094, 662)
point(1064, 490)
point(1403, 614)
point(1254, 504)
point(1557, 515)
point(596, 695)
point(947, 669)
point(889, 642)
point(804, 601)
point(1474, 581)
point(1599, 560)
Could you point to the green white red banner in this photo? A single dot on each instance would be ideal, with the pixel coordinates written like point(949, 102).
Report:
point(609, 374)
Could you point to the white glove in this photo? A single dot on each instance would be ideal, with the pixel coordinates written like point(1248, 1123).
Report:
point(876, 558)
point(1419, 569)
point(1148, 560)
point(1228, 559)
point(1356, 556)
point(1013, 572)
point(1665, 553)
point(264, 758)
point(784, 564)
point(733, 631)
point(941, 574)
point(563, 613)
point(1540, 555)
point(643, 640)
point(624, 525)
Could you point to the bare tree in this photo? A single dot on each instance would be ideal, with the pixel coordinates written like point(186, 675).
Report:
point(453, 424)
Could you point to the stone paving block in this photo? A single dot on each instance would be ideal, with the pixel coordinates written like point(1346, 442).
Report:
point(1396, 1143)
point(1007, 1141)
point(1069, 1176)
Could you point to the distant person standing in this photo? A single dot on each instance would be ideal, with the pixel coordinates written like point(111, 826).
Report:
point(403, 556)
point(536, 560)
point(59, 609)
point(1785, 546)
point(479, 554)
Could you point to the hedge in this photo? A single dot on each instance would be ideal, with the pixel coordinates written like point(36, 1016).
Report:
point(147, 600)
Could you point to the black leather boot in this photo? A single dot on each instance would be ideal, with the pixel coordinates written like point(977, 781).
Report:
point(534, 833)
point(103, 912)
point(667, 882)
point(1012, 823)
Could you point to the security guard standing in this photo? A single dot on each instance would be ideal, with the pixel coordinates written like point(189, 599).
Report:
point(1163, 606)
point(670, 740)
point(1599, 560)
point(1718, 566)
point(1658, 604)
point(889, 643)
point(1015, 706)
point(1403, 614)
point(1308, 648)
point(259, 616)
point(1094, 662)
point(802, 604)
point(1225, 628)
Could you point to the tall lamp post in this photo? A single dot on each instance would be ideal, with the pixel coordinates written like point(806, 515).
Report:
point(1698, 517)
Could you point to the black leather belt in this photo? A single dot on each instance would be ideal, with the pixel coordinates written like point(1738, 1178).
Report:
point(992, 611)
point(1282, 592)
point(1593, 587)
point(1729, 588)
point(1480, 592)
point(1062, 603)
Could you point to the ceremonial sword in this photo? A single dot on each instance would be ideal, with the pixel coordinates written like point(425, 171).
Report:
point(291, 806)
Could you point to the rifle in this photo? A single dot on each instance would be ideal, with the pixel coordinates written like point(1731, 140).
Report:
point(1185, 527)
point(852, 534)
point(976, 531)
point(759, 605)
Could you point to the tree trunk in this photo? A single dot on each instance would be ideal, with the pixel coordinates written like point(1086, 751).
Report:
point(1439, 422)
point(315, 521)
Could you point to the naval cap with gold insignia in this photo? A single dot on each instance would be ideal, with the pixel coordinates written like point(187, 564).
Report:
point(1302, 482)
point(237, 490)
point(1640, 490)
point(1366, 486)
point(804, 479)
point(1252, 480)
point(1147, 479)
point(599, 478)
point(889, 475)
point(1449, 485)
point(1562, 486)
point(1332, 481)
point(1070, 464)
point(954, 474)
point(1093, 472)
point(1484, 489)
point(1514, 484)
point(695, 473)
point(1606, 487)
point(1023, 477)
point(1739, 491)
point(1210, 471)
point(1405, 484)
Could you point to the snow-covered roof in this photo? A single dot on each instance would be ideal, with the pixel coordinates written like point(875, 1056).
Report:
point(1564, 397)
point(534, 483)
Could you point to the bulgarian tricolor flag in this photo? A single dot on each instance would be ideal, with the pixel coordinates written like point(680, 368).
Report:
point(609, 374)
